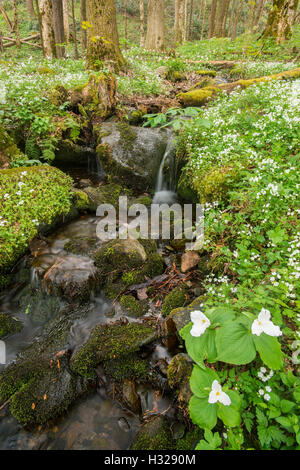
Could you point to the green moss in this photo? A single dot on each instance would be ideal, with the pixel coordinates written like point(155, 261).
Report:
point(8, 149)
point(179, 369)
point(80, 245)
point(197, 97)
point(135, 117)
point(127, 367)
point(81, 200)
point(175, 76)
point(127, 135)
point(144, 200)
point(30, 198)
point(8, 325)
point(185, 190)
point(154, 435)
point(213, 186)
point(110, 342)
point(190, 440)
point(43, 70)
point(4, 281)
point(288, 75)
point(175, 299)
point(132, 306)
point(209, 73)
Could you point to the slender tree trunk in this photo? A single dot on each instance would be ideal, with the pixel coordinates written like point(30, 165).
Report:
point(65, 4)
point(142, 23)
point(179, 21)
point(47, 31)
point(227, 2)
point(220, 17)
point(237, 19)
point(259, 10)
point(76, 55)
point(16, 24)
point(10, 25)
point(30, 8)
point(185, 26)
point(103, 38)
point(232, 15)
point(203, 19)
point(191, 20)
point(155, 39)
point(125, 22)
point(281, 19)
point(83, 19)
point(58, 26)
point(212, 19)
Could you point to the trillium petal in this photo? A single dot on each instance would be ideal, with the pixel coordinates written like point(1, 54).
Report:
point(224, 399)
point(256, 328)
point(270, 329)
point(197, 330)
point(196, 315)
point(216, 387)
point(264, 315)
point(212, 397)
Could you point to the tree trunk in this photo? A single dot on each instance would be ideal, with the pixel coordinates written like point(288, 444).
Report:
point(65, 4)
point(125, 23)
point(179, 21)
point(227, 3)
point(237, 19)
point(191, 20)
point(6, 17)
point(231, 19)
point(220, 17)
point(30, 8)
point(213, 11)
point(203, 19)
point(259, 10)
point(103, 39)
point(16, 21)
point(47, 31)
point(58, 26)
point(142, 23)
point(76, 55)
point(155, 39)
point(83, 19)
point(281, 19)
point(185, 27)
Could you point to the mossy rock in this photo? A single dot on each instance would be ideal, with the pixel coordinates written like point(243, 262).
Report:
point(120, 255)
point(80, 245)
point(176, 298)
point(190, 440)
point(197, 97)
point(58, 95)
point(135, 117)
point(81, 200)
point(8, 149)
point(155, 434)
point(130, 366)
point(179, 370)
point(208, 73)
point(8, 325)
point(214, 185)
point(5, 280)
point(105, 194)
point(206, 82)
point(110, 342)
point(185, 190)
point(175, 76)
point(43, 70)
point(133, 307)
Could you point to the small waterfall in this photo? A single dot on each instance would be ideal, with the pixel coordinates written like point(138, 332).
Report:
point(165, 189)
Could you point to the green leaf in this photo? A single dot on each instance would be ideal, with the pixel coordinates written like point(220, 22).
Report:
point(269, 350)
point(202, 347)
point(202, 413)
point(201, 381)
point(235, 344)
point(230, 415)
point(220, 315)
point(286, 406)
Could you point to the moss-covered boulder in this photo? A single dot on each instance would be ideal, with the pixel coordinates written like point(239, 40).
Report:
point(155, 434)
point(110, 342)
point(214, 185)
point(205, 82)
point(206, 73)
point(105, 194)
point(8, 325)
point(132, 307)
point(176, 298)
point(179, 373)
point(8, 149)
point(31, 200)
point(197, 97)
point(132, 154)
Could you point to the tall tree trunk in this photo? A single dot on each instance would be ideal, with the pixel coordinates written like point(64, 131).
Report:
point(47, 31)
point(189, 36)
point(155, 38)
point(58, 26)
point(179, 21)
point(10, 25)
point(142, 23)
point(212, 19)
point(125, 22)
point(16, 22)
point(103, 38)
point(83, 19)
point(259, 10)
point(227, 2)
point(76, 55)
point(220, 18)
point(65, 4)
point(231, 19)
point(281, 19)
point(203, 19)
point(30, 8)
point(237, 19)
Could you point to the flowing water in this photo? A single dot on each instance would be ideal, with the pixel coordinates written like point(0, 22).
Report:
point(165, 189)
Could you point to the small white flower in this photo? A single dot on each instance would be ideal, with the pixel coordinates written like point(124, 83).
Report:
point(217, 394)
point(200, 323)
point(261, 392)
point(263, 324)
point(263, 370)
point(268, 389)
point(267, 397)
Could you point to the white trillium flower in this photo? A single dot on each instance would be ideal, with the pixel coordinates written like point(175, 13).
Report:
point(200, 323)
point(217, 394)
point(263, 324)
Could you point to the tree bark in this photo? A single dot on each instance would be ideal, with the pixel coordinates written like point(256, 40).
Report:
point(83, 19)
point(65, 4)
point(189, 36)
point(227, 3)
point(155, 38)
point(232, 15)
point(259, 10)
point(58, 26)
point(212, 19)
point(220, 17)
point(281, 19)
point(203, 19)
point(76, 55)
point(103, 39)
point(30, 8)
point(142, 23)
point(47, 31)
point(125, 23)
point(179, 21)
point(237, 19)
point(16, 22)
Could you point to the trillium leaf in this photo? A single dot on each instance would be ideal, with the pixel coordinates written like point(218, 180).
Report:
point(269, 350)
point(235, 344)
point(201, 381)
point(220, 315)
point(229, 415)
point(201, 347)
point(203, 413)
